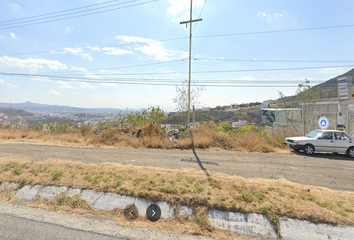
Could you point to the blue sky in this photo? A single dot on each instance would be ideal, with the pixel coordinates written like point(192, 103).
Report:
point(87, 61)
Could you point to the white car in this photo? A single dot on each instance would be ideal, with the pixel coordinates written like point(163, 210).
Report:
point(323, 141)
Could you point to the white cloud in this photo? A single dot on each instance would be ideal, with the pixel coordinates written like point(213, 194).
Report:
point(79, 69)
point(68, 29)
point(79, 52)
point(1, 36)
point(8, 84)
point(92, 76)
point(42, 79)
point(271, 17)
point(104, 71)
point(83, 84)
point(32, 64)
point(64, 85)
point(115, 51)
point(14, 7)
point(94, 48)
point(109, 85)
point(332, 70)
point(52, 92)
point(153, 49)
point(179, 9)
point(12, 35)
point(247, 79)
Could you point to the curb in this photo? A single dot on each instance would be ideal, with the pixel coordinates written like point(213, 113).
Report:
point(251, 225)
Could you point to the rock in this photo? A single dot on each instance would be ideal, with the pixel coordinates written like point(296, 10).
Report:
point(306, 189)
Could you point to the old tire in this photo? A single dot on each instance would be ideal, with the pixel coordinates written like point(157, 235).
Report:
point(309, 149)
point(350, 152)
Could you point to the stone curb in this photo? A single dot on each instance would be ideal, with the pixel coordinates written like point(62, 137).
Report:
point(252, 225)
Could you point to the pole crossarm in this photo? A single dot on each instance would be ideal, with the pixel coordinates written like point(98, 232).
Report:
point(195, 20)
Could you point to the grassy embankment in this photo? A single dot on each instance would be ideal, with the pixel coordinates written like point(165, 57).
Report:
point(273, 198)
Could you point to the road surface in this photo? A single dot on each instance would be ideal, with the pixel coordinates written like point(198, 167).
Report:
point(327, 170)
point(20, 222)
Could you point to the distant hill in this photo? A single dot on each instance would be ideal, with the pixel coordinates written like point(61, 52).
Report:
point(14, 112)
point(329, 89)
point(29, 106)
point(219, 114)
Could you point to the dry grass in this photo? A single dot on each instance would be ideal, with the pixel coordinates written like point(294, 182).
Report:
point(249, 139)
point(273, 198)
point(76, 205)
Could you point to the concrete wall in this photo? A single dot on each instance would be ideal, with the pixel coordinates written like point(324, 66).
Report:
point(306, 119)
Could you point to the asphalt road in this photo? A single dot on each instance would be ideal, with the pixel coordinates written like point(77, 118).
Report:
point(20, 222)
point(327, 170)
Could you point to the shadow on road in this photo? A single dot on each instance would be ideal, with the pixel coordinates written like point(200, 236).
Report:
point(332, 156)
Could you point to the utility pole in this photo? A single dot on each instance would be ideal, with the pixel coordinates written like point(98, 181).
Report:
point(190, 56)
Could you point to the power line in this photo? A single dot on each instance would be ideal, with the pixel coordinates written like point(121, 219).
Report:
point(82, 15)
point(220, 83)
point(200, 14)
point(46, 14)
point(132, 66)
point(115, 45)
point(274, 31)
point(204, 36)
point(168, 84)
point(272, 60)
point(227, 71)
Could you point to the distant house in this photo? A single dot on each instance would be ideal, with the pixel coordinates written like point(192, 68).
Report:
point(240, 123)
point(268, 103)
point(234, 105)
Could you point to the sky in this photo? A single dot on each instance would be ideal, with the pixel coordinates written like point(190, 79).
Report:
point(132, 53)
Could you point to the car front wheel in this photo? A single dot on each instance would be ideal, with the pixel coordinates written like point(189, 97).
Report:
point(309, 149)
point(350, 152)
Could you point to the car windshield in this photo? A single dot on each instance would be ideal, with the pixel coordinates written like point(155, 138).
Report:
point(313, 134)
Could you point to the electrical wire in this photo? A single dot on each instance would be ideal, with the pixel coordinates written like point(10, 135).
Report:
point(200, 14)
point(226, 71)
point(132, 66)
point(82, 15)
point(157, 82)
point(66, 14)
point(275, 31)
point(115, 45)
point(46, 14)
point(274, 60)
point(203, 36)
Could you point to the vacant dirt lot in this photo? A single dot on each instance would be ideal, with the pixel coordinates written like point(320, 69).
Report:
point(327, 170)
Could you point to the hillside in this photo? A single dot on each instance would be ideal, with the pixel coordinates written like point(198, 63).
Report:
point(30, 106)
point(18, 115)
point(327, 90)
point(220, 114)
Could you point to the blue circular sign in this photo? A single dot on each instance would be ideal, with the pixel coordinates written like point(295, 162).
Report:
point(323, 122)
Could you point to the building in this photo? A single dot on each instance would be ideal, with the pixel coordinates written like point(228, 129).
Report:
point(268, 103)
point(240, 123)
point(234, 106)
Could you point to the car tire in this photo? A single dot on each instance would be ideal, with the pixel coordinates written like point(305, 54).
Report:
point(309, 149)
point(350, 152)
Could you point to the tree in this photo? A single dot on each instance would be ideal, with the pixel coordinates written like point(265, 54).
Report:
point(306, 97)
point(154, 115)
point(181, 100)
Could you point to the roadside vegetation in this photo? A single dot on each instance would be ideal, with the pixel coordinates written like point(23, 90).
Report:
point(143, 130)
point(273, 198)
